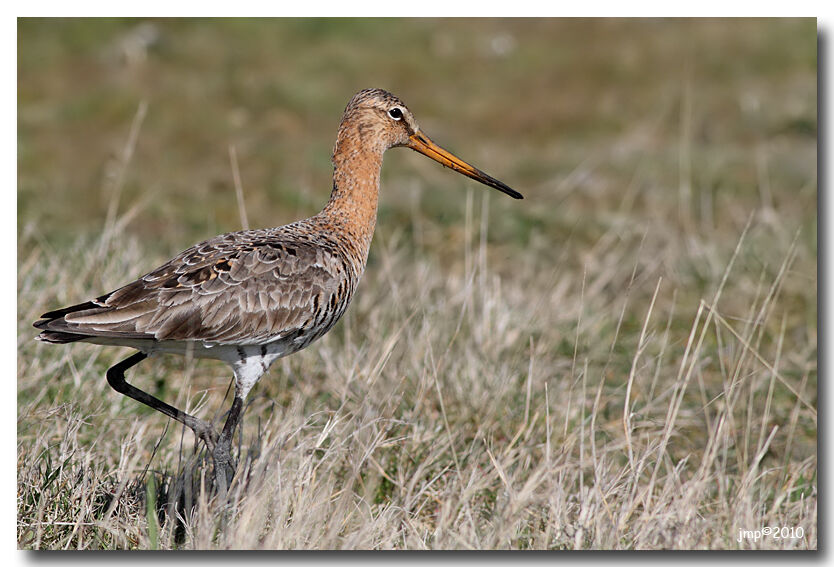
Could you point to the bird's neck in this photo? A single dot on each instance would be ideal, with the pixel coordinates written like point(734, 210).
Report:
point(352, 207)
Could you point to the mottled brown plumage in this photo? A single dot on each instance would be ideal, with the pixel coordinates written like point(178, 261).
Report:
point(253, 296)
point(248, 288)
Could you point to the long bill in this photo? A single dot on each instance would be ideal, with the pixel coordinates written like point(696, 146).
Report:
point(421, 143)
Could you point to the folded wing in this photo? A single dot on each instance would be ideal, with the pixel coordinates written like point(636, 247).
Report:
point(248, 287)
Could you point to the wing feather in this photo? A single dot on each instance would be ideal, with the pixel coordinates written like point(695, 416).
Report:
point(247, 287)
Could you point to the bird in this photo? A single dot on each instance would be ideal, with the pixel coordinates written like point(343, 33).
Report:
point(250, 297)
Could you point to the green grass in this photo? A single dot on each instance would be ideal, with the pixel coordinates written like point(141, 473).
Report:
point(624, 360)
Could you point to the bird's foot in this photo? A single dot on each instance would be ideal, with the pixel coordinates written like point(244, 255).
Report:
point(205, 432)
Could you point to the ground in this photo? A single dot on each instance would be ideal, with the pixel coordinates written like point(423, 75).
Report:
point(626, 359)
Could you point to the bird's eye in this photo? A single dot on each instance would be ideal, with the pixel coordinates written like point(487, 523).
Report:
point(395, 113)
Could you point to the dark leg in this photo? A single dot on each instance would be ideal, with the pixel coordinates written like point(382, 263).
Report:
point(116, 379)
point(224, 470)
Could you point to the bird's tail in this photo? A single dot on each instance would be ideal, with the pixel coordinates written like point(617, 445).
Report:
point(57, 337)
point(49, 321)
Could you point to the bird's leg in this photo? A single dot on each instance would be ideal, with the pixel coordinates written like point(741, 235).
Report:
point(116, 379)
point(224, 469)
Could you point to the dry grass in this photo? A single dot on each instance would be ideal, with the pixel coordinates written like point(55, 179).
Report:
point(625, 360)
point(454, 417)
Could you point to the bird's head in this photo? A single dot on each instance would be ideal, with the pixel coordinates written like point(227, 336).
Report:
point(378, 120)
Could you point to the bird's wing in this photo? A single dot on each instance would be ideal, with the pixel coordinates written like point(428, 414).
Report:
point(248, 287)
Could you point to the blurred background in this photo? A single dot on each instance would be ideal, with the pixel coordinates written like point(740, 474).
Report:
point(652, 155)
point(680, 116)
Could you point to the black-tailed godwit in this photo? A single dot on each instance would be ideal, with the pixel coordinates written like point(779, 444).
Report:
point(250, 297)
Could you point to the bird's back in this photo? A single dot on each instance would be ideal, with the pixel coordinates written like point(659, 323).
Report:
point(288, 284)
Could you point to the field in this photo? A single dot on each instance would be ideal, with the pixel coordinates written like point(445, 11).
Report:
point(626, 359)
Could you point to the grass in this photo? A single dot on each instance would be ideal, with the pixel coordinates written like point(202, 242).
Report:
point(624, 360)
